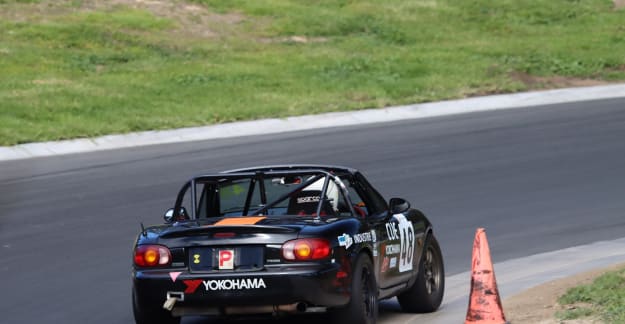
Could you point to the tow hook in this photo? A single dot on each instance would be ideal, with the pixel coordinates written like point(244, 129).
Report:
point(172, 298)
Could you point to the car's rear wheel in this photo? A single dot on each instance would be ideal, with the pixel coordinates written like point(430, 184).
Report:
point(145, 313)
point(426, 294)
point(363, 305)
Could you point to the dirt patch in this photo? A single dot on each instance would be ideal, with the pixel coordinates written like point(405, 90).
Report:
point(189, 19)
point(51, 82)
point(293, 39)
point(618, 4)
point(535, 82)
point(539, 305)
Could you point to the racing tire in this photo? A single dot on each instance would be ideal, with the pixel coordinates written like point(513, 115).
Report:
point(154, 314)
point(363, 306)
point(426, 294)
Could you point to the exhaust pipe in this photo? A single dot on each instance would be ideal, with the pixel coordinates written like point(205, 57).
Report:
point(291, 308)
point(301, 307)
point(172, 298)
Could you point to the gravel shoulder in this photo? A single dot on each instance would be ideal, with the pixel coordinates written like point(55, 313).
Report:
point(539, 304)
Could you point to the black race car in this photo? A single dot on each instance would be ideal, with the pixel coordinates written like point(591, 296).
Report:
point(285, 239)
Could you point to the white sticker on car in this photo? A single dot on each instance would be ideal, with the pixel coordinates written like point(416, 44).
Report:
point(363, 237)
point(226, 259)
point(391, 231)
point(310, 199)
point(393, 249)
point(407, 240)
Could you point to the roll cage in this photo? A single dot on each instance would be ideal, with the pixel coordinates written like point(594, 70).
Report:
point(257, 177)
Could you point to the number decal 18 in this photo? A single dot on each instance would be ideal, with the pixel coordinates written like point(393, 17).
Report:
point(407, 239)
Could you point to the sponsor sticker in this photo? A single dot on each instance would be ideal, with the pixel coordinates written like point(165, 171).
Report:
point(385, 264)
point(224, 284)
point(363, 237)
point(234, 284)
point(191, 285)
point(393, 262)
point(309, 199)
point(373, 238)
point(345, 240)
point(391, 231)
point(393, 249)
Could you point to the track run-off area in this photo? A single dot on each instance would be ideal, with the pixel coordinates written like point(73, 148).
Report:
point(547, 183)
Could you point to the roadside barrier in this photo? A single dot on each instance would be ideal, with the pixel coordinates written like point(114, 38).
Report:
point(484, 302)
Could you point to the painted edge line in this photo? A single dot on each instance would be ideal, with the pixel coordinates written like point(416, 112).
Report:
point(308, 122)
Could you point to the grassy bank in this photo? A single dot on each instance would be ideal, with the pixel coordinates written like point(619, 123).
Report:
point(604, 299)
point(86, 68)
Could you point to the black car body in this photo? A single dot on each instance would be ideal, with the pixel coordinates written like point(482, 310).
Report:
point(285, 239)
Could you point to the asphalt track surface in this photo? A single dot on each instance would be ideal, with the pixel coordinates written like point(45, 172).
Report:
point(538, 179)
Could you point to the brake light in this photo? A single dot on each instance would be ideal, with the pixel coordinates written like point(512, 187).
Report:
point(306, 249)
point(152, 256)
point(224, 235)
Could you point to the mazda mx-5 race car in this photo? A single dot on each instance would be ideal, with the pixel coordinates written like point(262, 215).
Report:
point(285, 239)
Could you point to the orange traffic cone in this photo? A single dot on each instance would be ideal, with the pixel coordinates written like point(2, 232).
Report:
point(484, 302)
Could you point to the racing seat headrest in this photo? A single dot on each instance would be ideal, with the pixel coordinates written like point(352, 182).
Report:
point(306, 201)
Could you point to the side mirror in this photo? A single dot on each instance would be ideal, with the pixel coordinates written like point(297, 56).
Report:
point(398, 205)
point(169, 215)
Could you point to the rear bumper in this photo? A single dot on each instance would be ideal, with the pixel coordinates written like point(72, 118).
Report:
point(314, 285)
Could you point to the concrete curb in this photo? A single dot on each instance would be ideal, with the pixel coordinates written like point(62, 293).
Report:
point(290, 124)
point(517, 275)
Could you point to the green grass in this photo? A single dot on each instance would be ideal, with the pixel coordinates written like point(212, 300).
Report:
point(604, 298)
point(68, 72)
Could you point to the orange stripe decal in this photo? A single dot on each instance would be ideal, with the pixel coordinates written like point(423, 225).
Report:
point(240, 221)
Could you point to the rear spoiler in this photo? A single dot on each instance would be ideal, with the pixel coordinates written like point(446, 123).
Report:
point(239, 229)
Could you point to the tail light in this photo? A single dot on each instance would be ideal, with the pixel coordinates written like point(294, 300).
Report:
point(152, 256)
point(306, 249)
